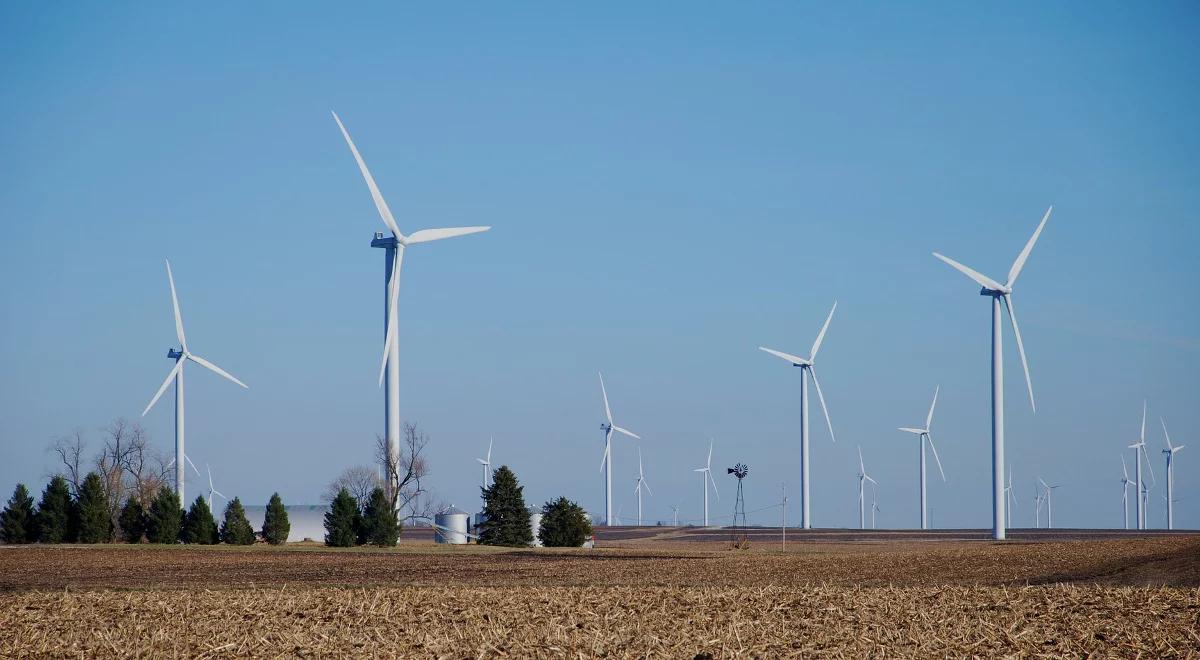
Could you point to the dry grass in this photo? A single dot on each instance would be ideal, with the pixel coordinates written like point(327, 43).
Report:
point(1118, 597)
point(622, 621)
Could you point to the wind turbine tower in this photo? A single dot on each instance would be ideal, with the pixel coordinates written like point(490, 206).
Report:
point(706, 478)
point(806, 370)
point(1170, 454)
point(924, 436)
point(863, 478)
point(1001, 293)
point(1140, 489)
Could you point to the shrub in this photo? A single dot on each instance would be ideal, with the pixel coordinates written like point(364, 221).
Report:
point(343, 524)
point(564, 524)
point(17, 522)
point(56, 513)
point(275, 523)
point(165, 519)
point(235, 529)
point(132, 521)
point(379, 524)
point(507, 519)
point(198, 525)
point(95, 522)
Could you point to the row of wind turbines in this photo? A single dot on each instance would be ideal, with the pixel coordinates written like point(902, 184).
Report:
point(395, 245)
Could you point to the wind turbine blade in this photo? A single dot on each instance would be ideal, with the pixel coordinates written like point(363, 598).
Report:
point(393, 314)
point(627, 432)
point(604, 459)
point(217, 492)
point(1123, 468)
point(821, 398)
point(868, 478)
point(708, 464)
point(861, 468)
point(1020, 262)
point(384, 211)
point(647, 485)
point(935, 455)
point(909, 430)
point(209, 365)
point(983, 280)
point(929, 417)
point(603, 391)
point(481, 461)
point(427, 235)
point(489, 454)
point(1167, 435)
point(812, 355)
point(163, 388)
point(189, 462)
point(175, 304)
point(796, 361)
point(714, 484)
point(1012, 316)
point(1142, 437)
point(1154, 481)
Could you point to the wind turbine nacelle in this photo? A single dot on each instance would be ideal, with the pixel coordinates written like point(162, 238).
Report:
point(174, 354)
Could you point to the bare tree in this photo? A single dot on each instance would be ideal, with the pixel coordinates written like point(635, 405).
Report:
point(359, 480)
point(402, 481)
point(70, 449)
point(145, 469)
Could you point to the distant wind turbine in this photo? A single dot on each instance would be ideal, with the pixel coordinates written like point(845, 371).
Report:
point(486, 463)
point(923, 436)
point(705, 478)
point(212, 491)
point(1170, 453)
point(641, 483)
point(863, 478)
point(1125, 484)
point(176, 374)
point(1010, 498)
point(606, 463)
point(1139, 449)
point(394, 255)
point(874, 505)
point(1001, 292)
point(1048, 489)
point(806, 368)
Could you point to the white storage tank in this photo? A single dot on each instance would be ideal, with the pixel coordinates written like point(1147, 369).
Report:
point(535, 523)
point(450, 526)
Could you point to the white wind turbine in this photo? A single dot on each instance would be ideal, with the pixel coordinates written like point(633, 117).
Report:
point(1001, 292)
point(1140, 489)
point(641, 483)
point(1037, 502)
point(863, 477)
point(486, 463)
point(674, 515)
point(1170, 453)
point(874, 505)
point(705, 479)
point(176, 374)
point(606, 463)
point(923, 436)
point(806, 366)
point(1048, 489)
point(394, 255)
point(212, 491)
point(1125, 483)
point(1010, 499)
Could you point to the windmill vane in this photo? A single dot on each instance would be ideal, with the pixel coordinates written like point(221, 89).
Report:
point(740, 470)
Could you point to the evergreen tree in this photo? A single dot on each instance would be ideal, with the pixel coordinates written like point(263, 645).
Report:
point(55, 516)
point(165, 518)
point(564, 524)
point(17, 522)
point(132, 520)
point(275, 523)
point(235, 529)
point(198, 525)
point(379, 524)
point(343, 523)
point(95, 523)
point(507, 519)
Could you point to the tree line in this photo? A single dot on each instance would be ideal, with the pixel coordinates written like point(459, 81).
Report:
point(83, 516)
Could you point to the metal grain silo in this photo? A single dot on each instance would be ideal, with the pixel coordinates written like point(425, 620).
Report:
point(450, 526)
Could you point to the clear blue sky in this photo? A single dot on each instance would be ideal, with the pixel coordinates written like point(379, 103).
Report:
point(669, 187)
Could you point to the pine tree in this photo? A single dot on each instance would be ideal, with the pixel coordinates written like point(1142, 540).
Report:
point(56, 513)
point(343, 523)
point(132, 520)
point(380, 526)
point(507, 519)
point(198, 525)
point(17, 522)
point(165, 519)
point(236, 530)
point(95, 523)
point(275, 523)
point(564, 524)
